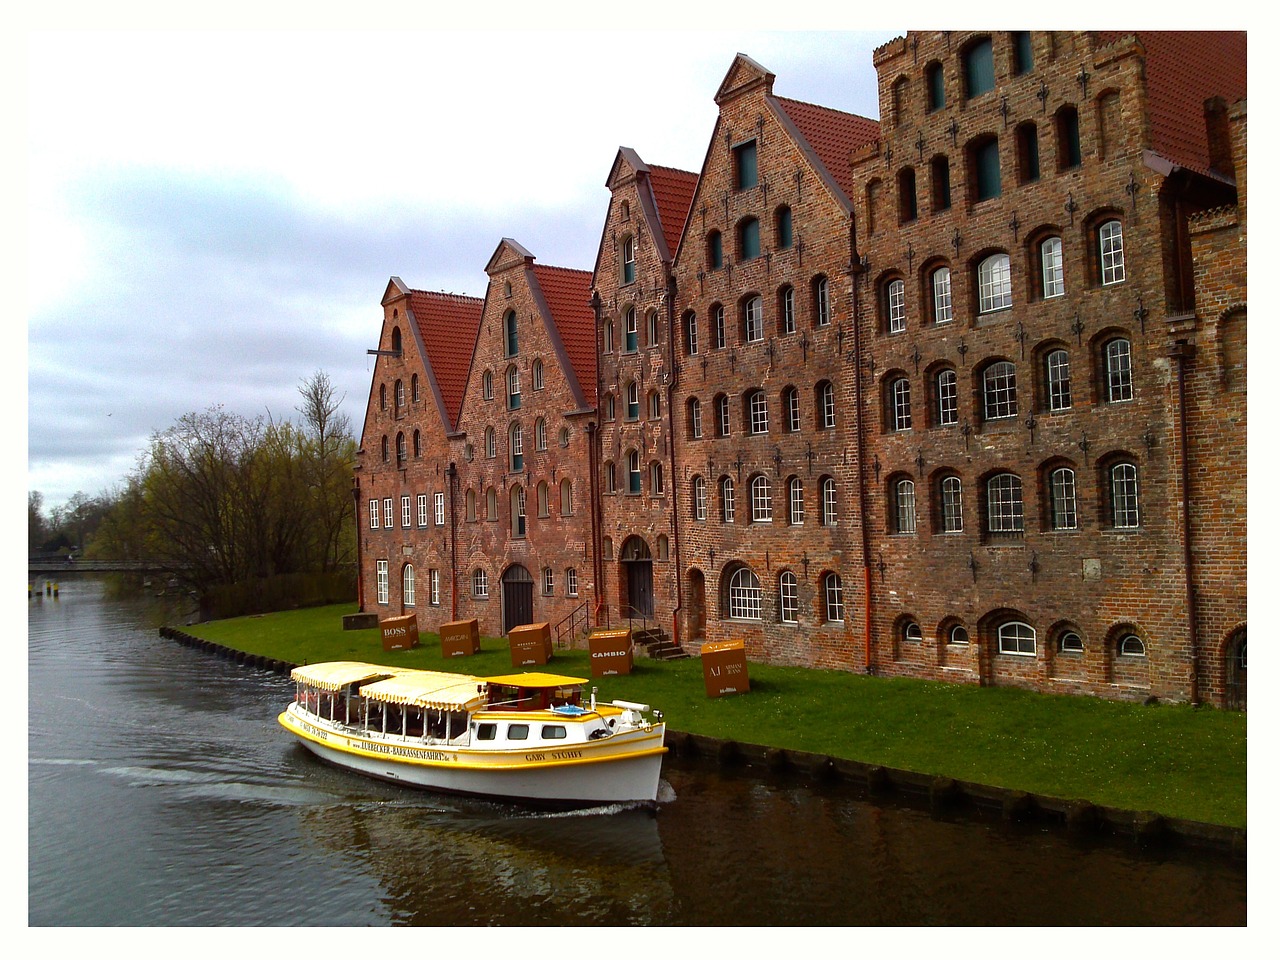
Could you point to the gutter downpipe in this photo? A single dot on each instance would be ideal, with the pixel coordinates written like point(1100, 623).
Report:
point(1182, 351)
point(593, 462)
point(355, 494)
point(855, 269)
point(452, 473)
point(671, 451)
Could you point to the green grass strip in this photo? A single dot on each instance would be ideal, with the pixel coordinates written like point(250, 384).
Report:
point(1170, 759)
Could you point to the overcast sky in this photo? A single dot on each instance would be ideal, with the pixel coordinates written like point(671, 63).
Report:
point(213, 216)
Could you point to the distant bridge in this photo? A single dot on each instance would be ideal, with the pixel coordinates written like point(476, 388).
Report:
point(46, 566)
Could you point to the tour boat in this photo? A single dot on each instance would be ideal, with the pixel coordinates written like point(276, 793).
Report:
point(526, 737)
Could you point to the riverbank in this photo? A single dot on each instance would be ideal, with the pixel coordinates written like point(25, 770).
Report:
point(1087, 763)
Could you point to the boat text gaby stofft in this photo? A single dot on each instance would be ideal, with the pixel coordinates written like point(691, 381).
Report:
point(525, 737)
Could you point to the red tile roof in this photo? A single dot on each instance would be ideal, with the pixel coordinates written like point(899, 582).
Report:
point(1184, 69)
point(568, 296)
point(673, 194)
point(447, 325)
point(833, 136)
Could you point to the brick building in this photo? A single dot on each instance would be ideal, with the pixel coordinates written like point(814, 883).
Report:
point(959, 394)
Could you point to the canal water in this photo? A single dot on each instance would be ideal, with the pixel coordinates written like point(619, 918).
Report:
point(163, 793)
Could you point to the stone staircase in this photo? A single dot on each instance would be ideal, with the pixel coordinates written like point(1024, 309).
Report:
point(656, 645)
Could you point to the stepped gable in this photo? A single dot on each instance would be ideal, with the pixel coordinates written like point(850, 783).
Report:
point(567, 293)
point(1184, 69)
point(447, 328)
point(833, 136)
point(673, 196)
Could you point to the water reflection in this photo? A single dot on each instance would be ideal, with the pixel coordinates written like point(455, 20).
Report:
point(162, 792)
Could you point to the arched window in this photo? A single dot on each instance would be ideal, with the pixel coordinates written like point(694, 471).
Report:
point(788, 598)
point(935, 89)
point(946, 398)
point(609, 408)
point(821, 303)
point(471, 505)
point(699, 498)
point(898, 404)
point(513, 389)
point(695, 418)
point(1005, 515)
point(490, 443)
point(382, 396)
point(631, 330)
point(566, 497)
point(782, 227)
point(386, 450)
point(904, 506)
point(1070, 642)
point(787, 310)
point(984, 168)
point(795, 501)
point(395, 339)
point(951, 504)
point(1062, 492)
point(761, 499)
point(723, 425)
point(512, 333)
point(606, 332)
point(894, 306)
point(628, 260)
point(410, 598)
point(691, 333)
point(1067, 122)
point(487, 382)
point(833, 592)
point(651, 328)
point(540, 435)
point(1058, 379)
point(610, 477)
point(753, 320)
point(539, 378)
point(940, 283)
point(491, 504)
point(413, 388)
point(1123, 478)
point(718, 340)
point(655, 405)
point(715, 251)
point(544, 499)
point(911, 632)
point(656, 486)
point(1131, 645)
point(979, 68)
point(825, 396)
point(633, 400)
point(907, 207)
point(1119, 370)
point(548, 582)
point(402, 448)
point(749, 239)
point(1051, 278)
point(399, 397)
point(940, 183)
point(726, 500)
point(791, 410)
point(995, 284)
point(633, 471)
point(829, 502)
point(958, 636)
point(744, 595)
point(417, 444)
point(1017, 638)
point(1027, 143)
point(517, 511)
point(757, 412)
point(1111, 252)
point(999, 391)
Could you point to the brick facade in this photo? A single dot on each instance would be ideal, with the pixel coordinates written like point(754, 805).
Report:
point(958, 394)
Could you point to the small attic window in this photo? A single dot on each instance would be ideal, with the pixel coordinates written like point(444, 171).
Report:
point(626, 210)
point(506, 289)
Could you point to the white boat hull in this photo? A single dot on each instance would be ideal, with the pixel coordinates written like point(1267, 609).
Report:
point(624, 768)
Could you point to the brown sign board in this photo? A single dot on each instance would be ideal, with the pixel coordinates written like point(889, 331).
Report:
point(400, 633)
point(530, 644)
point(459, 638)
point(724, 668)
point(611, 652)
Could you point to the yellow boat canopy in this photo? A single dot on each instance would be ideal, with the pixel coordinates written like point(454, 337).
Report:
point(428, 689)
point(533, 681)
point(339, 673)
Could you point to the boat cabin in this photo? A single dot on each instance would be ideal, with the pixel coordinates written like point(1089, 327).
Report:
point(533, 691)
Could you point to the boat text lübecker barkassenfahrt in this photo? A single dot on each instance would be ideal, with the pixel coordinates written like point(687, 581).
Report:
point(525, 737)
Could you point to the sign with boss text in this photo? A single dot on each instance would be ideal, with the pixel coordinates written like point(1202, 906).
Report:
point(724, 668)
point(400, 633)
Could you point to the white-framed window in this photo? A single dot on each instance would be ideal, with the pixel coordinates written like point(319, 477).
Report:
point(995, 284)
point(1070, 642)
point(651, 327)
point(951, 496)
point(1111, 252)
point(1017, 638)
point(900, 401)
point(1119, 359)
point(826, 406)
point(609, 412)
point(516, 441)
point(787, 306)
point(791, 409)
point(833, 591)
point(539, 375)
point(439, 508)
point(422, 510)
point(829, 516)
point(479, 584)
point(1051, 267)
point(487, 381)
point(490, 443)
point(610, 477)
point(948, 398)
point(655, 405)
point(540, 434)
point(821, 303)
point(1004, 505)
point(745, 596)
point(904, 495)
point(726, 500)
point(758, 404)
point(373, 515)
point(406, 511)
point(633, 400)
point(958, 636)
point(1124, 496)
point(513, 389)
point(384, 581)
point(566, 496)
point(1131, 645)
point(753, 320)
point(788, 597)
point(896, 306)
point(631, 328)
point(1062, 489)
point(691, 334)
point(548, 581)
point(655, 478)
point(629, 260)
point(410, 593)
point(795, 502)
point(544, 499)
point(695, 418)
point(699, 498)
point(434, 581)
point(606, 333)
point(999, 391)
point(399, 396)
point(761, 500)
point(724, 425)
point(633, 471)
point(518, 516)
point(388, 517)
point(942, 295)
point(571, 581)
point(402, 448)
point(511, 327)
point(911, 632)
point(1058, 374)
point(717, 326)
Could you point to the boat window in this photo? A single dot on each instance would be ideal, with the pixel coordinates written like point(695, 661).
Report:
point(553, 731)
point(518, 731)
point(486, 731)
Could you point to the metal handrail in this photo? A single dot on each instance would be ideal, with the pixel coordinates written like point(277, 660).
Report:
point(581, 612)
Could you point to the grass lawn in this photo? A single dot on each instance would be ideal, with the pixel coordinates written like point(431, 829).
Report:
point(1173, 760)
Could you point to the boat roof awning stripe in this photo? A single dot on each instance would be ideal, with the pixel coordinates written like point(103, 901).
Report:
point(425, 688)
point(339, 673)
point(535, 680)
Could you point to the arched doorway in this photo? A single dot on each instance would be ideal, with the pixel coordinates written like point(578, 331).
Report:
point(517, 597)
point(697, 605)
point(638, 563)
point(1237, 672)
